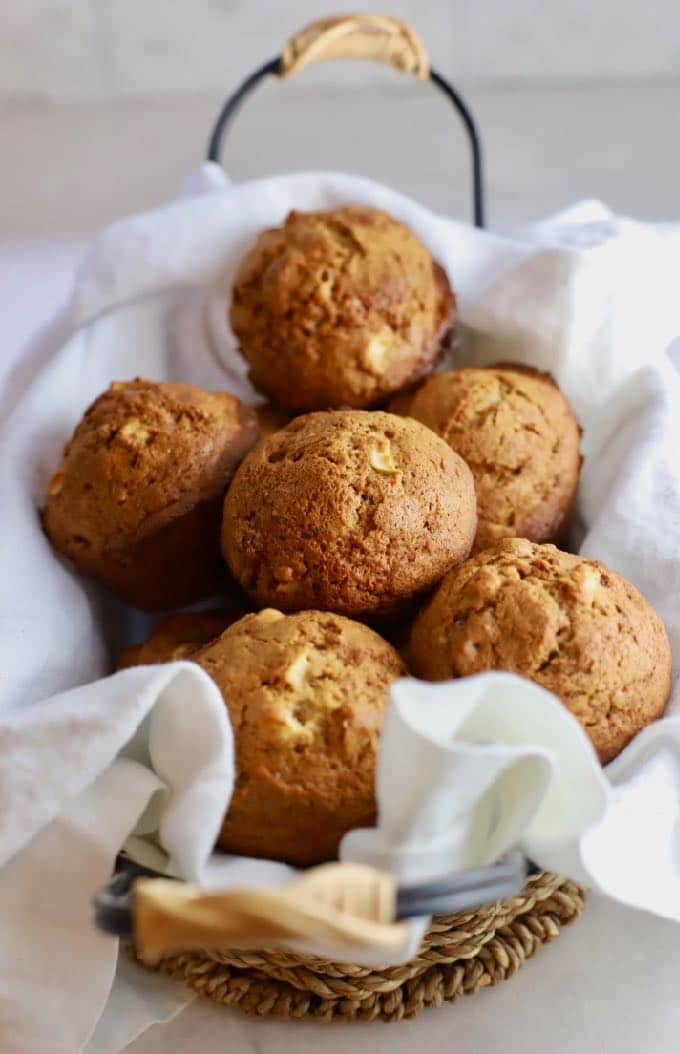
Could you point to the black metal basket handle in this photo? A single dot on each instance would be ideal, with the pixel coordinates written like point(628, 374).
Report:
point(380, 38)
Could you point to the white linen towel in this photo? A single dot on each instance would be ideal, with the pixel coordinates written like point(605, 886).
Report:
point(87, 759)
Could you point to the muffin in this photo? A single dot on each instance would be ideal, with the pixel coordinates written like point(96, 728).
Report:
point(339, 309)
point(177, 637)
point(306, 696)
point(519, 436)
point(347, 511)
point(567, 623)
point(137, 499)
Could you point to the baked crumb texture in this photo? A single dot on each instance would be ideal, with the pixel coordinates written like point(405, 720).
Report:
point(567, 623)
point(306, 695)
point(137, 498)
point(348, 511)
point(339, 309)
point(518, 434)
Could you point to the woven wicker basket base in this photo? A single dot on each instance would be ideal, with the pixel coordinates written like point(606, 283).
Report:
point(459, 955)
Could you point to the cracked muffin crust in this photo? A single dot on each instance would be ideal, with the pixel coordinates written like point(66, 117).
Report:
point(519, 436)
point(567, 623)
point(347, 511)
point(339, 308)
point(177, 637)
point(306, 696)
point(137, 498)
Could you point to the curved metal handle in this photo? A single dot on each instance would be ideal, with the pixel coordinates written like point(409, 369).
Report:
point(380, 38)
point(359, 36)
point(353, 903)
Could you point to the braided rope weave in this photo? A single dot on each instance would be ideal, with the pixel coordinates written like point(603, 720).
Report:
point(459, 955)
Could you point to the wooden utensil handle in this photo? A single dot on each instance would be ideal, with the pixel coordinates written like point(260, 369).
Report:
point(380, 38)
point(338, 904)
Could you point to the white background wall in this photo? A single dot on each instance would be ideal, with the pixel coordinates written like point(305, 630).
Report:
point(83, 50)
point(106, 105)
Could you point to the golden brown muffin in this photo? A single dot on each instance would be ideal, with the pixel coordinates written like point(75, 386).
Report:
point(306, 695)
point(177, 637)
point(567, 623)
point(137, 498)
point(339, 309)
point(347, 511)
point(519, 436)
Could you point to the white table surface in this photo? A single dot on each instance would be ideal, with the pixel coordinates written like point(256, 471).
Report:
point(611, 984)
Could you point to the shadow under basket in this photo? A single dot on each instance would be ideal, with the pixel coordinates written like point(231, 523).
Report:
point(459, 955)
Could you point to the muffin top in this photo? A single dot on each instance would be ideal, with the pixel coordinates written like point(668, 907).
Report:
point(347, 511)
point(567, 623)
point(339, 308)
point(518, 434)
point(177, 637)
point(142, 456)
point(306, 695)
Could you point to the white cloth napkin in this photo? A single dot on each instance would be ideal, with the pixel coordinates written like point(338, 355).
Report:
point(487, 763)
point(148, 751)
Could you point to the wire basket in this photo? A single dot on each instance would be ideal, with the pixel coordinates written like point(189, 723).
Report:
point(460, 953)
